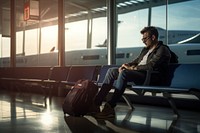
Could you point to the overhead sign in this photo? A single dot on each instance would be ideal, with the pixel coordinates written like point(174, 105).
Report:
point(31, 10)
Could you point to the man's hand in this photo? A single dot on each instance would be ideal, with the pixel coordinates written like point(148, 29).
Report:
point(126, 66)
point(120, 69)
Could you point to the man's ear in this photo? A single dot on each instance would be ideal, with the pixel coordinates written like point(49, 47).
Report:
point(153, 37)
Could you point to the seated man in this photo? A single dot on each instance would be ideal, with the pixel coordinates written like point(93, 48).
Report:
point(154, 56)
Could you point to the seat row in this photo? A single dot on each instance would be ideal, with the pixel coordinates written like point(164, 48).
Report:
point(44, 80)
point(183, 79)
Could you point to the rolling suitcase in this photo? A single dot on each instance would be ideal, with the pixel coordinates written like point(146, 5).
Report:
point(79, 99)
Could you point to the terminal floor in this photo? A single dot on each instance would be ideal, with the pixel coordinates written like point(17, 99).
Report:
point(29, 113)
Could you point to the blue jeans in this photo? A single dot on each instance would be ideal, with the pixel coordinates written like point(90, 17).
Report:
point(119, 81)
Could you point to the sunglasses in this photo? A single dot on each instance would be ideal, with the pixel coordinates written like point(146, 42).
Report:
point(146, 38)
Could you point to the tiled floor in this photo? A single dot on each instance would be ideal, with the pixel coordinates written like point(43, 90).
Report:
point(28, 114)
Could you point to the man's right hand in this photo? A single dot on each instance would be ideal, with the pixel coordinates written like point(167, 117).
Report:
point(127, 67)
point(121, 69)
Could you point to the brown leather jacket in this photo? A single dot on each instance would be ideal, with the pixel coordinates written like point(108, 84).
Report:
point(158, 59)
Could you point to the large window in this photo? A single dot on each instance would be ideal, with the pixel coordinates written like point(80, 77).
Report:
point(129, 26)
point(76, 35)
point(177, 23)
point(86, 30)
point(85, 33)
point(49, 39)
point(184, 20)
point(99, 32)
point(177, 20)
point(31, 42)
point(19, 43)
point(5, 47)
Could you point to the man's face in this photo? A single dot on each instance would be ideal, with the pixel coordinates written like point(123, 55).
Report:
point(147, 39)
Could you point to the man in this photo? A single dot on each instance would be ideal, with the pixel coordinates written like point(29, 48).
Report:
point(154, 56)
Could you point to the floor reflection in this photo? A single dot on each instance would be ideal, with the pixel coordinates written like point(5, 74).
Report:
point(141, 120)
point(32, 114)
point(17, 107)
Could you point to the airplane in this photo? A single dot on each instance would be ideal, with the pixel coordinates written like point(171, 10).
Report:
point(188, 51)
point(174, 36)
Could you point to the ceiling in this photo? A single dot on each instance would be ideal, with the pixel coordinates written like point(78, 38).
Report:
point(75, 10)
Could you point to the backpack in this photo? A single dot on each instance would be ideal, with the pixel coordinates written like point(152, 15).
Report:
point(174, 57)
point(79, 99)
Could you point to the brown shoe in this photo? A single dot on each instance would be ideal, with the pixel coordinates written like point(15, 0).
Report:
point(107, 112)
point(94, 109)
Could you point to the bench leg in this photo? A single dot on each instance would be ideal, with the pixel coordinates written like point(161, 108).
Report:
point(173, 125)
point(127, 100)
point(171, 102)
point(196, 93)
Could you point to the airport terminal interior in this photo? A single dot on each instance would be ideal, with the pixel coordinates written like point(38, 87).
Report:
point(42, 41)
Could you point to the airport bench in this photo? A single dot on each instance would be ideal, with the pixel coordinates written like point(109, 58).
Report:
point(81, 72)
point(184, 79)
point(76, 72)
point(48, 79)
point(33, 79)
point(6, 76)
point(56, 75)
point(18, 77)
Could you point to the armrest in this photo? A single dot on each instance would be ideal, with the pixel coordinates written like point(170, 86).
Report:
point(148, 77)
point(146, 82)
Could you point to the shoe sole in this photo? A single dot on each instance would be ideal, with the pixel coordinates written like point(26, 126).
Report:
point(111, 116)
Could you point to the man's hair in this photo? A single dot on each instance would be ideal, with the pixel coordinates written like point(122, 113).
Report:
point(151, 30)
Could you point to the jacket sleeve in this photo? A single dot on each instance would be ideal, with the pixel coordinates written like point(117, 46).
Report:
point(137, 60)
point(156, 59)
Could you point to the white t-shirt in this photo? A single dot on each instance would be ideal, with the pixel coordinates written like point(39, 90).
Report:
point(144, 60)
